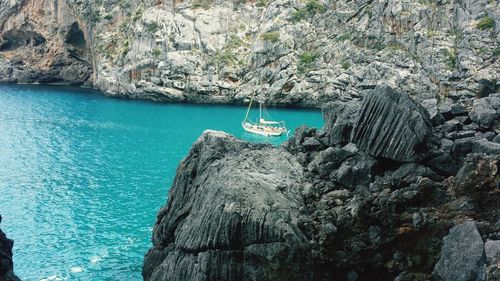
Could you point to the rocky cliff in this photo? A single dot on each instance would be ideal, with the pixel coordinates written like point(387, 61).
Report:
point(401, 192)
point(294, 52)
point(6, 264)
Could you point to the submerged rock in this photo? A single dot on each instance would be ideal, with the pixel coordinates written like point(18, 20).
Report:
point(391, 125)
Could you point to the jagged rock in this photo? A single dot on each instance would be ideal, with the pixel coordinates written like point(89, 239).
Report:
point(391, 125)
point(295, 142)
point(6, 264)
point(346, 213)
point(444, 165)
point(451, 126)
point(483, 113)
point(462, 255)
point(431, 105)
point(232, 214)
point(339, 121)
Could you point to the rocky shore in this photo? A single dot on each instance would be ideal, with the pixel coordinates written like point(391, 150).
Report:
point(388, 189)
point(6, 264)
point(300, 53)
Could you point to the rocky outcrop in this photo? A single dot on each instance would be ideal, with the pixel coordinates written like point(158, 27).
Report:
point(232, 214)
point(294, 52)
point(323, 208)
point(6, 264)
point(392, 125)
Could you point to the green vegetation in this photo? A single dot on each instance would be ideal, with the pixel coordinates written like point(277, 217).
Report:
point(377, 45)
point(345, 64)
point(108, 17)
point(496, 52)
point(137, 15)
point(152, 27)
point(233, 42)
point(397, 46)
point(343, 37)
point(312, 8)
point(271, 36)
point(306, 61)
point(156, 52)
point(485, 23)
point(299, 15)
point(203, 4)
point(224, 57)
point(451, 58)
point(125, 51)
point(261, 3)
point(307, 57)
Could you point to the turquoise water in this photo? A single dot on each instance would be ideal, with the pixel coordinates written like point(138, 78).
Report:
point(82, 176)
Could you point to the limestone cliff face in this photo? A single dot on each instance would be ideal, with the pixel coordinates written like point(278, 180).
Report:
point(351, 202)
point(42, 41)
point(291, 52)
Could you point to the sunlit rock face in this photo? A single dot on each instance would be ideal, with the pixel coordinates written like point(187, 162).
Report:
point(290, 52)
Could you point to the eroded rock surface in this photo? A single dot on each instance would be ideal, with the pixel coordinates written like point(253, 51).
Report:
point(317, 209)
point(232, 214)
point(391, 125)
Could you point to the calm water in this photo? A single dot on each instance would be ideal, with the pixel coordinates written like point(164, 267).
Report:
point(83, 176)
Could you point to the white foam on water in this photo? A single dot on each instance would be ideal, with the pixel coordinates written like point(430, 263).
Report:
point(77, 269)
point(95, 259)
point(52, 278)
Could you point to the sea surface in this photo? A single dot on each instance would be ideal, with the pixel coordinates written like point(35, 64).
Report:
point(82, 176)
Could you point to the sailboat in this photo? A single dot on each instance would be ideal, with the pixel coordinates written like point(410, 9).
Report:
point(263, 127)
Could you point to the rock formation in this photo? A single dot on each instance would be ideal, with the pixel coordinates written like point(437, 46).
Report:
point(323, 208)
point(294, 52)
point(6, 264)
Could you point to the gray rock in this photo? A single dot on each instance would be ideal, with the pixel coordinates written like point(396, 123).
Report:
point(431, 106)
point(492, 250)
point(483, 113)
point(339, 121)
point(496, 139)
point(230, 213)
point(6, 264)
point(462, 255)
point(451, 126)
point(391, 125)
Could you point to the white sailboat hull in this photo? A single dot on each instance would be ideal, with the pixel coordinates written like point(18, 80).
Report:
point(263, 130)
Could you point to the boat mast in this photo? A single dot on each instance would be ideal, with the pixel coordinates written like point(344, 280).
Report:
point(248, 110)
point(260, 111)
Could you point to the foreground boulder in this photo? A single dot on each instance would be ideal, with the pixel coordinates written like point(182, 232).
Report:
point(232, 215)
point(6, 264)
point(462, 255)
point(391, 125)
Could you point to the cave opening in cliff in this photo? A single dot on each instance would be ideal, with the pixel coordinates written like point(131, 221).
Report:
point(17, 38)
point(75, 36)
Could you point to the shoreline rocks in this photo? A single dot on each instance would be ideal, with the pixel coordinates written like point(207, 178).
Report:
point(295, 53)
point(6, 264)
point(328, 209)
